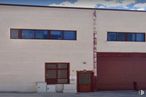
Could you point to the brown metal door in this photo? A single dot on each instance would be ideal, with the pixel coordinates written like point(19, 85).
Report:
point(84, 81)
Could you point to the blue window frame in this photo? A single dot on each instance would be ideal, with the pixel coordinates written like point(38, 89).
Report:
point(69, 35)
point(123, 36)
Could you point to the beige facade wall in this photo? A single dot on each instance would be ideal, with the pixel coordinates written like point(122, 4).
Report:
point(22, 61)
point(120, 21)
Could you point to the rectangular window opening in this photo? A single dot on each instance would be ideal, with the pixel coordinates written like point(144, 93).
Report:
point(42, 34)
point(126, 36)
point(57, 73)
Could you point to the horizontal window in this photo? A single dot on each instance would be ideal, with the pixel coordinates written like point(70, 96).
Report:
point(42, 34)
point(123, 36)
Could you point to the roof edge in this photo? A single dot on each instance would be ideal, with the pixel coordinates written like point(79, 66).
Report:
point(23, 5)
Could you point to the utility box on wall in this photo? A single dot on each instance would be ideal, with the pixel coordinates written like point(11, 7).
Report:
point(41, 87)
point(59, 88)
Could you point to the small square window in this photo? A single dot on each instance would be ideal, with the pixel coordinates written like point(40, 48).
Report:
point(56, 73)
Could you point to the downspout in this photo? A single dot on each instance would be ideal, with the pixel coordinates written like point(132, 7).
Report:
point(94, 49)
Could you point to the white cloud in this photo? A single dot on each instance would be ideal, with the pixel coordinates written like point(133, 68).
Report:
point(140, 6)
point(93, 3)
point(114, 3)
point(79, 3)
point(103, 4)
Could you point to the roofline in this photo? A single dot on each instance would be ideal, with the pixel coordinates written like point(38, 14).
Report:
point(23, 5)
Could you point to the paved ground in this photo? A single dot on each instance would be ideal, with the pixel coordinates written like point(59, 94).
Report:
point(94, 94)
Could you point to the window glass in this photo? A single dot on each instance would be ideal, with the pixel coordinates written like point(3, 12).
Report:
point(140, 37)
point(27, 34)
point(62, 73)
point(121, 37)
point(85, 78)
point(131, 36)
point(51, 66)
point(126, 36)
point(14, 34)
point(111, 36)
point(61, 81)
point(57, 73)
point(69, 35)
point(41, 34)
point(56, 34)
point(51, 74)
point(62, 65)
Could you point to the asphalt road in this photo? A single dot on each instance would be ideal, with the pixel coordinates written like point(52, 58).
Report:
point(94, 94)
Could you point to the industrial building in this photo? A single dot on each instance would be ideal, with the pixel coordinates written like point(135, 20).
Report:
point(62, 49)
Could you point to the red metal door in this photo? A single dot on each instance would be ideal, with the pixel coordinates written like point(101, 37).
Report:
point(121, 71)
point(84, 81)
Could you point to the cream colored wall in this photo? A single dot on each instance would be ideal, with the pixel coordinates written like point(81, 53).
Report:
point(120, 21)
point(22, 61)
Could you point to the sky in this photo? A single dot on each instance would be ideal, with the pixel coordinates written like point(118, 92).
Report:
point(107, 4)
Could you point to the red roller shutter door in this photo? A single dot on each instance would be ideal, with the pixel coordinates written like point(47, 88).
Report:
point(118, 71)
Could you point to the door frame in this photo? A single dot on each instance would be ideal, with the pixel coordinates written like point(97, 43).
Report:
point(92, 80)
